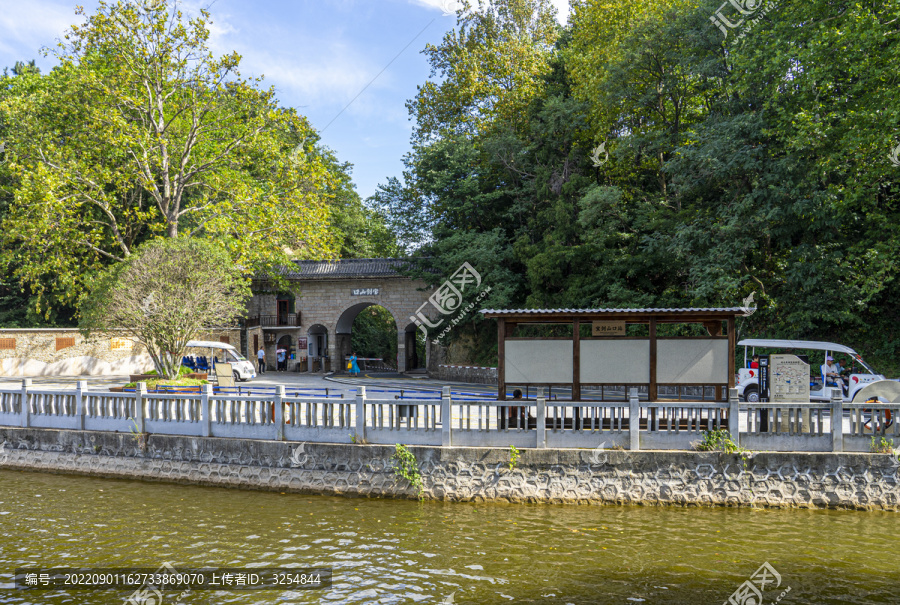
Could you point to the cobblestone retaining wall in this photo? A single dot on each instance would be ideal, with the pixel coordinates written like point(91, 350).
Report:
point(471, 374)
point(787, 480)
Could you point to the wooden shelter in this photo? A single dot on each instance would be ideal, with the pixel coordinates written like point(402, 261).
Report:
point(612, 357)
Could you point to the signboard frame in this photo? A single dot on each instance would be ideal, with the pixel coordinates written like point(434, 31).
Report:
point(614, 327)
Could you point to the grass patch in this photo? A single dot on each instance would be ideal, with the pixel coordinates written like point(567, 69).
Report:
point(721, 441)
point(182, 370)
point(882, 446)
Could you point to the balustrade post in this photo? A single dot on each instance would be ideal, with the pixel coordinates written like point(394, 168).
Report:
point(734, 416)
point(634, 420)
point(541, 414)
point(446, 434)
point(80, 388)
point(140, 396)
point(25, 409)
point(206, 392)
point(837, 422)
point(279, 413)
point(360, 414)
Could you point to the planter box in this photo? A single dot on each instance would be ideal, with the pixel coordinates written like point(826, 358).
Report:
point(197, 376)
point(142, 377)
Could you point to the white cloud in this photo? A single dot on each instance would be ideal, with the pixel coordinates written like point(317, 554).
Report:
point(26, 27)
point(311, 70)
point(332, 72)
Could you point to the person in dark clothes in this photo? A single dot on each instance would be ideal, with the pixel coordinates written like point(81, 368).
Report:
point(512, 417)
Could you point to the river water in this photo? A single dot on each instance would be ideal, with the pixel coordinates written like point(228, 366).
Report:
point(388, 551)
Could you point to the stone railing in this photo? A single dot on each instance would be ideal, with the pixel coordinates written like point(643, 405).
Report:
point(536, 423)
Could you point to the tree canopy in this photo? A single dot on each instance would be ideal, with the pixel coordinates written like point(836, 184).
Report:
point(140, 132)
point(733, 166)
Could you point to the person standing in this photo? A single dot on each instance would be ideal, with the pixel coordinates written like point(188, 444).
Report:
point(261, 358)
point(280, 356)
point(354, 369)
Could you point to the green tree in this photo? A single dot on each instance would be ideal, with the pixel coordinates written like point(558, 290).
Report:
point(362, 231)
point(140, 132)
point(165, 294)
point(487, 69)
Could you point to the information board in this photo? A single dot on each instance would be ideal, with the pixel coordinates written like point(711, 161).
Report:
point(788, 379)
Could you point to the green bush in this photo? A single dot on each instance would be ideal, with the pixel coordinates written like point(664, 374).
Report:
point(407, 467)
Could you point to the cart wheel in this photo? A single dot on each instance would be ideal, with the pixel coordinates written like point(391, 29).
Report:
point(751, 394)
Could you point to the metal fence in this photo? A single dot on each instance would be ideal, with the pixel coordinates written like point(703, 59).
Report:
point(456, 420)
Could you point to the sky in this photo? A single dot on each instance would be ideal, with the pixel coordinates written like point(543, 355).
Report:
point(348, 65)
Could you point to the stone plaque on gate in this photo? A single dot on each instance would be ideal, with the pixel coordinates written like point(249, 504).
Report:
point(608, 328)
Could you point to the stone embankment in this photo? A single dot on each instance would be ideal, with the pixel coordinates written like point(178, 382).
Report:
point(787, 480)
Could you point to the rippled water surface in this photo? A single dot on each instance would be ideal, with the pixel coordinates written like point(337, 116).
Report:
point(385, 551)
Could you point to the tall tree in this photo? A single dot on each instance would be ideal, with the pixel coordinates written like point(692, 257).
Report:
point(487, 69)
point(141, 131)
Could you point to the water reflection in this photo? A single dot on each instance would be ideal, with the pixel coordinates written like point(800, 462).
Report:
point(385, 551)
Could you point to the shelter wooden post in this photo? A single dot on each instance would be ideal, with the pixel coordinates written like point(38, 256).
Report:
point(501, 361)
point(731, 345)
point(652, 395)
point(576, 360)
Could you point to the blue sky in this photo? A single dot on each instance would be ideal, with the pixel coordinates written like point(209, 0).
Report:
point(318, 54)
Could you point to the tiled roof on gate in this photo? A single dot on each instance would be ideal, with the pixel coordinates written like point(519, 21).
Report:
point(349, 268)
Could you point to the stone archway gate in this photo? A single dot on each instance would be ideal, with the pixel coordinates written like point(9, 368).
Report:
point(332, 293)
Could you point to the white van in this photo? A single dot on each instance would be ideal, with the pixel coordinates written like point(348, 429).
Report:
point(242, 368)
point(748, 378)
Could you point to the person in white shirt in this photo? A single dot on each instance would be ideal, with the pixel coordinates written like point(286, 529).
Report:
point(832, 373)
point(261, 358)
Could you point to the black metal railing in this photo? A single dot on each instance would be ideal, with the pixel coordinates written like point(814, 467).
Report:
point(270, 321)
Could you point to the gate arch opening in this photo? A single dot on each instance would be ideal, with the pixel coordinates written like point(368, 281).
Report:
point(286, 344)
point(317, 343)
point(368, 329)
point(415, 348)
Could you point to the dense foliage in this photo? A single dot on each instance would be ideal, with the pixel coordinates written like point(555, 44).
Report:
point(734, 166)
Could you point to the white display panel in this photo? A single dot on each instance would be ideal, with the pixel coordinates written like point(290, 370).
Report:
point(615, 361)
point(692, 361)
point(538, 361)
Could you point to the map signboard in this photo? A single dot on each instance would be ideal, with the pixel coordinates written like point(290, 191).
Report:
point(788, 379)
